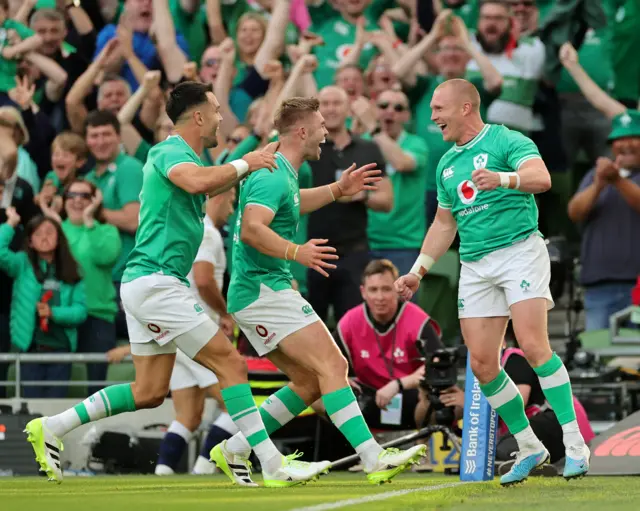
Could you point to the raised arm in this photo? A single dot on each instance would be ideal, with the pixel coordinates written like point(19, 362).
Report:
point(76, 110)
point(594, 94)
point(223, 84)
point(214, 19)
point(171, 56)
point(491, 76)
point(273, 45)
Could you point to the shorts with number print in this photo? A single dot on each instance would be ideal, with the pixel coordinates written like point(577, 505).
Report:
point(274, 316)
point(490, 286)
point(163, 314)
point(188, 373)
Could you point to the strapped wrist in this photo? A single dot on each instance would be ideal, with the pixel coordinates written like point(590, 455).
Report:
point(425, 262)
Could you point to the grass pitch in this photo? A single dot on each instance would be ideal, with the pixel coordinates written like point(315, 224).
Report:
point(336, 491)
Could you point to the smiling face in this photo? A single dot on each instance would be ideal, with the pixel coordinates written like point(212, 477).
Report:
point(380, 295)
point(64, 163)
point(103, 142)
point(393, 112)
point(351, 80)
point(315, 134)
point(77, 199)
point(209, 120)
point(447, 113)
point(112, 95)
point(44, 239)
point(250, 35)
point(493, 27)
point(52, 32)
point(334, 107)
point(627, 152)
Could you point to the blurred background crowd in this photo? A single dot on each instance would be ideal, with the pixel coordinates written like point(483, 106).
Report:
point(83, 85)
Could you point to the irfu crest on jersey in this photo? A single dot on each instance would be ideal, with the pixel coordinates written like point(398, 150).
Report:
point(480, 161)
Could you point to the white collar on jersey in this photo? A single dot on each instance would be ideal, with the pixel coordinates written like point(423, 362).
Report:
point(474, 140)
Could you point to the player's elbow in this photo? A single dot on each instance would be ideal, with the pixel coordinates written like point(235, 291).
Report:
point(545, 182)
point(187, 182)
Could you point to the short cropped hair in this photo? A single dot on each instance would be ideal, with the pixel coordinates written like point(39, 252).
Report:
point(292, 111)
point(185, 96)
point(98, 118)
point(71, 143)
point(378, 267)
point(47, 14)
point(112, 77)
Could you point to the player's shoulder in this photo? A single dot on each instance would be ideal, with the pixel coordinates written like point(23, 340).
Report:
point(499, 132)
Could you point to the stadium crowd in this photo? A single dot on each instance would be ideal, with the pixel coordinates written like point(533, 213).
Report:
point(83, 85)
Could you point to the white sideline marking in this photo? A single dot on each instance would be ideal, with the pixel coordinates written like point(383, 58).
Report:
point(373, 498)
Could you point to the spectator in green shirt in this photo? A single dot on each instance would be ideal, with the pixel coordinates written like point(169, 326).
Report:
point(69, 153)
point(48, 302)
point(15, 41)
point(96, 246)
point(119, 178)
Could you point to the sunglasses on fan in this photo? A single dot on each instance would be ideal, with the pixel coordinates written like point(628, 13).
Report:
point(383, 105)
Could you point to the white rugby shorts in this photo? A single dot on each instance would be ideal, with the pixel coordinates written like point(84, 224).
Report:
point(274, 316)
point(188, 373)
point(490, 286)
point(164, 314)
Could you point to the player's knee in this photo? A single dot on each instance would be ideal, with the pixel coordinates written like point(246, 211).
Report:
point(536, 352)
point(150, 397)
point(236, 365)
point(337, 366)
point(485, 368)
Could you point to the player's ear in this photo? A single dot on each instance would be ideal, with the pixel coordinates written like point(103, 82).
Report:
point(302, 131)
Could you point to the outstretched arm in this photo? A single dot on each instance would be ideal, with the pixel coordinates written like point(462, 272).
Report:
point(352, 181)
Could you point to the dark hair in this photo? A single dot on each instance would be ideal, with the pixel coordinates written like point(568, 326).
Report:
point(98, 118)
point(379, 266)
point(4, 4)
point(98, 215)
point(185, 96)
point(293, 110)
point(66, 267)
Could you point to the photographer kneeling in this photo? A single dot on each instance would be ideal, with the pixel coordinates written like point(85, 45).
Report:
point(379, 339)
point(542, 418)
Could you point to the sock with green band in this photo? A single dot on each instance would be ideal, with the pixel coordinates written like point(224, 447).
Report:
point(556, 386)
point(343, 410)
point(505, 399)
point(279, 409)
point(107, 402)
point(242, 409)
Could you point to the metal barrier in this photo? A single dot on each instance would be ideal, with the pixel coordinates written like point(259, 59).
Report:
point(52, 358)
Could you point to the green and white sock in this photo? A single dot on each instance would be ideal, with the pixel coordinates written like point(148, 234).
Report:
point(556, 386)
point(242, 409)
point(279, 409)
point(343, 410)
point(505, 399)
point(107, 402)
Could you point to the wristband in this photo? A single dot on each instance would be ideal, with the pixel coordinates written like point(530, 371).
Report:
point(331, 192)
point(423, 261)
point(505, 179)
point(295, 253)
point(241, 166)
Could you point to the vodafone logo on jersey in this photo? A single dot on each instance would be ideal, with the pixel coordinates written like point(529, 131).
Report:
point(467, 192)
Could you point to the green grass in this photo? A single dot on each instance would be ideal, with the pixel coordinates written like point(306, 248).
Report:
point(141, 493)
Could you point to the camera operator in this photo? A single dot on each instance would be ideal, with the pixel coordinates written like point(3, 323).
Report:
point(379, 340)
point(541, 417)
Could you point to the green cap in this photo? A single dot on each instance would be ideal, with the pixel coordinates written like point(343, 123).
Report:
point(625, 125)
